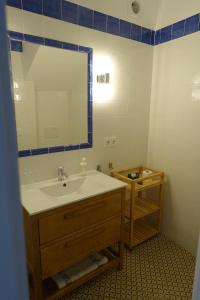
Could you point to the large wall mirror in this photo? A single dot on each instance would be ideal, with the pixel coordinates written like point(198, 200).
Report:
point(52, 87)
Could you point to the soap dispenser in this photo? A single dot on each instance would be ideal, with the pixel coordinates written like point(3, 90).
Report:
point(83, 165)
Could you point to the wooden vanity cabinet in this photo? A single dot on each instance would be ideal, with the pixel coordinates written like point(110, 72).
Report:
point(62, 237)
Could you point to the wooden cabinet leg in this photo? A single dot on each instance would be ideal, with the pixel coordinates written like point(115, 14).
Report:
point(121, 255)
point(37, 288)
point(159, 217)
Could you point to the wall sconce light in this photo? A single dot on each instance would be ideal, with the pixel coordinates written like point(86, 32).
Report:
point(17, 95)
point(103, 78)
point(17, 98)
point(15, 85)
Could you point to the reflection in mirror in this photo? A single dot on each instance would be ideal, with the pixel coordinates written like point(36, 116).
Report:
point(50, 88)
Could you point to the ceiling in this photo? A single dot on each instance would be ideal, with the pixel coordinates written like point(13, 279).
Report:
point(155, 14)
point(122, 9)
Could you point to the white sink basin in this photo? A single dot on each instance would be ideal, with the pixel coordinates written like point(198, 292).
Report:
point(45, 195)
point(63, 188)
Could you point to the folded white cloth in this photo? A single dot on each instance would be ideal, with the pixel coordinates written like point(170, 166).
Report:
point(99, 259)
point(75, 272)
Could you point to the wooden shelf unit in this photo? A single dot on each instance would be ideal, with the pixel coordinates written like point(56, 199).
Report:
point(138, 207)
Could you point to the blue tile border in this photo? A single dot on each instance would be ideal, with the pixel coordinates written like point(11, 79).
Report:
point(16, 46)
point(40, 151)
point(177, 30)
point(100, 21)
point(24, 153)
point(15, 3)
point(34, 6)
point(80, 15)
point(16, 43)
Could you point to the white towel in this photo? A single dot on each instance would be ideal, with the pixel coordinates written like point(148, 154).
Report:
point(99, 259)
point(75, 272)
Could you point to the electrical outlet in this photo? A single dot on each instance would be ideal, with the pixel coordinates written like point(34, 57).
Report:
point(107, 142)
point(113, 141)
point(110, 141)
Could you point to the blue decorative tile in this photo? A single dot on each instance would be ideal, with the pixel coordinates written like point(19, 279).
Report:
point(90, 74)
point(24, 153)
point(178, 29)
point(14, 3)
point(89, 124)
point(85, 16)
point(166, 34)
point(153, 33)
point(32, 5)
point(75, 147)
point(52, 8)
point(146, 35)
point(136, 33)
point(34, 39)
point(69, 46)
point(192, 24)
point(90, 138)
point(16, 46)
point(113, 25)
point(16, 35)
point(72, 147)
point(69, 12)
point(90, 92)
point(84, 49)
point(90, 58)
point(56, 149)
point(85, 146)
point(40, 151)
point(68, 148)
point(89, 109)
point(100, 21)
point(125, 29)
point(53, 43)
point(157, 37)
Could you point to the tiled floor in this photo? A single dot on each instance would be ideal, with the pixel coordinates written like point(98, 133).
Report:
point(157, 269)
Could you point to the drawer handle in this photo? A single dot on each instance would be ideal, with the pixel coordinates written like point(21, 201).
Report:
point(80, 212)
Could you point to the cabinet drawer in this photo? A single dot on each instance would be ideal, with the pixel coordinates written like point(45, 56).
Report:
point(73, 249)
point(79, 216)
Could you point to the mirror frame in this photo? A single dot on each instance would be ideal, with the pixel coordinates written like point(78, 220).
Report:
point(16, 39)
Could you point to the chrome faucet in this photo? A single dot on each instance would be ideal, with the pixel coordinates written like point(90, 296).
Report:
point(61, 174)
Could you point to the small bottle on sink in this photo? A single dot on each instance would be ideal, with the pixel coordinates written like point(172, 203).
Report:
point(83, 165)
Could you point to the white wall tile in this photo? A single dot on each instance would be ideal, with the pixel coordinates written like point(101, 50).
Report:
point(174, 143)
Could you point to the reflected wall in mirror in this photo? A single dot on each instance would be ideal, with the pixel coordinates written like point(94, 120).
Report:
point(52, 87)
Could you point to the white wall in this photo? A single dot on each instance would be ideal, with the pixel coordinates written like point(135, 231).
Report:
point(122, 9)
point(173, 139)
point(174, 144)
point(119, 117)
point(25, 108)
point(52, 118)
point(171, 11)
point(77, 121)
